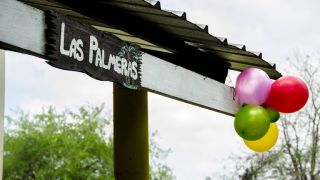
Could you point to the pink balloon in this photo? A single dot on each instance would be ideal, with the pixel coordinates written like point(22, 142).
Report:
point(253, 86)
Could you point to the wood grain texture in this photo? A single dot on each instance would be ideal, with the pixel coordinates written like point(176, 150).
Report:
point(179, 83)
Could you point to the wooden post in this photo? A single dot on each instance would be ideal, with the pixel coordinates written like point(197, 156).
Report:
point(2, 88)
point(131, 147)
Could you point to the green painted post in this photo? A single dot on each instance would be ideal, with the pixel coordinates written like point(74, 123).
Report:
point(131, 144)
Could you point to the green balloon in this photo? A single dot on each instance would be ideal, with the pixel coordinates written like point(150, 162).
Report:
point(252, 122)
point(274, 115)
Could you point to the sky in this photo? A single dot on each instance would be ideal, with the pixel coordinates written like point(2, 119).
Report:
point(201, 140)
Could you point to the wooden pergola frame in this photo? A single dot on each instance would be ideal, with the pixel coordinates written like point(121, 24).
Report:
point(23, 29)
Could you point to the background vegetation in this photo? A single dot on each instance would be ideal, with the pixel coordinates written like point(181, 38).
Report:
point(68, 145)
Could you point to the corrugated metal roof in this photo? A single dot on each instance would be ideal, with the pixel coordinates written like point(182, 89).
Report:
point(175, 25)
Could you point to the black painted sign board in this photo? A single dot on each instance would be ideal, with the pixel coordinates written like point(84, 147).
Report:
point(78, 47)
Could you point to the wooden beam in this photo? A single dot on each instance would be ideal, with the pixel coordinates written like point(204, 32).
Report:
point(117, 15)
point(2, 97)
point(22, 27)
point(179, 83)
point(27, 35)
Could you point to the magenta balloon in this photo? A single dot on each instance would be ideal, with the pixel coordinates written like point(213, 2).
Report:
point(253, 86)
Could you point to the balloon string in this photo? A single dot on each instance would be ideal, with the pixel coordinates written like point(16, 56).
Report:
point(234, 93)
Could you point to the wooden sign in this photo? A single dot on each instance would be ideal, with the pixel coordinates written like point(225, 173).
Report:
point(77, 47)
point(70, 45)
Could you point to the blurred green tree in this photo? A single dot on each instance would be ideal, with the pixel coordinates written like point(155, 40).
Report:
point(67, 145)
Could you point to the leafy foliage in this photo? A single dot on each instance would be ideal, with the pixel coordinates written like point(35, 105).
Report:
point(159, 169)
point(66, 145)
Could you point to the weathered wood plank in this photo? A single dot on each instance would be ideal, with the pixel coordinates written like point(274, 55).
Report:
point(27, 34)
point(2, 96)
point(179, 83)
point(78, 47)
point(22, 26)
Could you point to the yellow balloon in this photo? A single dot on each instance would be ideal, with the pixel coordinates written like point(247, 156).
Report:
point(266, 142)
